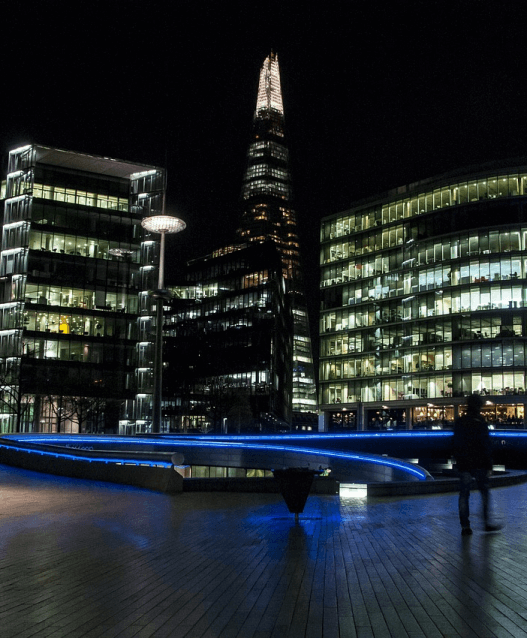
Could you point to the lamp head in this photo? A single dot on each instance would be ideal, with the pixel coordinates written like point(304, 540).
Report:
point(163, 224)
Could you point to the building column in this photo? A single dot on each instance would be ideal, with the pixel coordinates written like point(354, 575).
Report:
point(361, 421)
point(37, 407)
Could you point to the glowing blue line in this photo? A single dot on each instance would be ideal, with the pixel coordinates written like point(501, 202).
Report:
point(107, 461)
point(78, 440)
point(167, 440)
point(349, 435)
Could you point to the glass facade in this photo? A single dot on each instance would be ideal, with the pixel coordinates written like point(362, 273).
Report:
point(423, 302)
point(229, 345)
point(69, 300)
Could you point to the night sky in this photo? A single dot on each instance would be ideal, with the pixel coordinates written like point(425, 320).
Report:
point(376, 95)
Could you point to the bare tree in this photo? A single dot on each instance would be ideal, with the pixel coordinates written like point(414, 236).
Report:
point(61, 407)
point(13, 400)
point(87, 410)
point(77, 411)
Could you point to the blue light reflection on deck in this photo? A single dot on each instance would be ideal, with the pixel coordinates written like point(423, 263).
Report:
point(76, 440)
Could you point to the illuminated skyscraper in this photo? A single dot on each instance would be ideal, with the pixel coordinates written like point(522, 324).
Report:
point(268, 213)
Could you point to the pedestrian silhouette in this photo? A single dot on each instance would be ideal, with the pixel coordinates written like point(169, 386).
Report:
point(472, 450)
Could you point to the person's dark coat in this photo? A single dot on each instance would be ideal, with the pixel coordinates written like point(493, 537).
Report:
point(472, 447)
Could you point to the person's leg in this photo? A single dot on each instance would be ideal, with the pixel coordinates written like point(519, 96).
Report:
point(483, 481)
point(465, 479)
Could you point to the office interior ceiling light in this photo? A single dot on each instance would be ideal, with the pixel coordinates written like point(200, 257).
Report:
point(120, 252)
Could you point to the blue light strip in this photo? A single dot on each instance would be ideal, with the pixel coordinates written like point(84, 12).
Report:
point(75, 457)
point(137, 440)
point(204, 442)
point(315, 437)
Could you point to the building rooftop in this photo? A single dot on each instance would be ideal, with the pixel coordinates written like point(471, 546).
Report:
point(89, 163)
point(474, 170)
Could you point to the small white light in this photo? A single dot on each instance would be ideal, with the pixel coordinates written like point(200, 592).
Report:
point(353, 490)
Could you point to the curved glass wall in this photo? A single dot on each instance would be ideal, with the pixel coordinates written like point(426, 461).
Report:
point(425, 201)
point(421, 305)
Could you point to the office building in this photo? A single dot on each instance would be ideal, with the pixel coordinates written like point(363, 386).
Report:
point(228, 345)
point(75, 268)
point(268, 213)
point(424, 302)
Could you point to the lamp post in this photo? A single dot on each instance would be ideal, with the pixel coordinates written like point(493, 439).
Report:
point(162, 224)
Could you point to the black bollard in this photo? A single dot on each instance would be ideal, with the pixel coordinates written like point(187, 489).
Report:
point(295, 485)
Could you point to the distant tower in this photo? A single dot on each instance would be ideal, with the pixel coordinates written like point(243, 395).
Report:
point(268, 213)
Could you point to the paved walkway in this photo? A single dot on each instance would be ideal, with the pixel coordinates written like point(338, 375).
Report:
point(92, 560)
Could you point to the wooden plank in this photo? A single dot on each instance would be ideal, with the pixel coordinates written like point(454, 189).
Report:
point(88, 560)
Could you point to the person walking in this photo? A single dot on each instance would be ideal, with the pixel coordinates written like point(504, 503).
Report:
point(472, 450)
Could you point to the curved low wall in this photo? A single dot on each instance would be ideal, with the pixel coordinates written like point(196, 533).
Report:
point(59, 453)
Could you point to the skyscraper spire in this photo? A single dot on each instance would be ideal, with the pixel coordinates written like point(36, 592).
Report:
point(267, 199)
point(269, 91)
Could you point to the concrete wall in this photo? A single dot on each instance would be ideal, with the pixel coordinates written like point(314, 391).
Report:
point(154, 478)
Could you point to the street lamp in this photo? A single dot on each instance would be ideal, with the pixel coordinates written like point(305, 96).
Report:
point(162, 224)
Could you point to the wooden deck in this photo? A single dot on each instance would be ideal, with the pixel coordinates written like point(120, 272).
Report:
point(92, 560)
